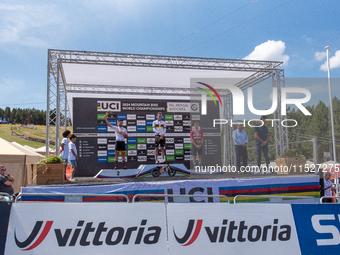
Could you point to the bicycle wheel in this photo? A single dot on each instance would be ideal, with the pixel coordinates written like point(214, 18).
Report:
point(156, 172)
point(171, 171)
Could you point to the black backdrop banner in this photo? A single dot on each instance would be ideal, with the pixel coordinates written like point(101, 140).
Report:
point(96, 141)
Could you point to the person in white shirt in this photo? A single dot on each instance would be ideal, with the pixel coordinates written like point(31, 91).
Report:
point(121, 134)
point(64, 150)
point(73, 156)
point(327, 187)
point(159, 127)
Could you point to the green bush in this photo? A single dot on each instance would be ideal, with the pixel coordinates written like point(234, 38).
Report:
point(52, 159)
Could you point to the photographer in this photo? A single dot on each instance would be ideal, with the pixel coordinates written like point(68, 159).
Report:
point(6, 181)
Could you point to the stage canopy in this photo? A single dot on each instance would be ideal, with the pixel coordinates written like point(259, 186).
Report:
point(120, 75)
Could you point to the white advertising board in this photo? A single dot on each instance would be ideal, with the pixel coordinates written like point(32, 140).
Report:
point(231, 229)
point(86, 228)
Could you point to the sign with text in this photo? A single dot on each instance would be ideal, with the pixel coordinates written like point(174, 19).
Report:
point(58, 230)
point(96, 140)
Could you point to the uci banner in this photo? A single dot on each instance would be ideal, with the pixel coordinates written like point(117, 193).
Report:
point(102, 228)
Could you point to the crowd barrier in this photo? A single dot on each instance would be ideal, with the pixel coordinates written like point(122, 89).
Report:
point(335, 198)
point(279, 199)
point(76, 197)
point(172, 228)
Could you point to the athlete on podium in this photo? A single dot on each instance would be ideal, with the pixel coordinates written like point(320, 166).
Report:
point(121, 134)
point(159, 128)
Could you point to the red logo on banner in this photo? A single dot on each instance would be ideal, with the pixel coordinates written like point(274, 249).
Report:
point(185, 241)
point(32, 236)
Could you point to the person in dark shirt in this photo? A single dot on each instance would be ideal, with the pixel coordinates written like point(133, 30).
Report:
point(261, 141)
point(6, 181)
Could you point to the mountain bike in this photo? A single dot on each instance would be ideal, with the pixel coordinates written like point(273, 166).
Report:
point(166, 168)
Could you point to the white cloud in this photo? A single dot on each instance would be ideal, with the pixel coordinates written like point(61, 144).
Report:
point(308, 39)
point(28, 25)
point(270, 50)
point(334, 62)
point(319, 56)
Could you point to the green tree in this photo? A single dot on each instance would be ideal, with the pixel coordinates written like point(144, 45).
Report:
point(7, 113)
point(13, 115)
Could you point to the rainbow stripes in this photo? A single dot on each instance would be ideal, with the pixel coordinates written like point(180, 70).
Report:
point(311, 189)
point(130, 194)
point(157, 126)
point(179, 171)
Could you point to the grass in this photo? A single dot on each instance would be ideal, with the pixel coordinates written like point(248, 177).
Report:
point(40, 132)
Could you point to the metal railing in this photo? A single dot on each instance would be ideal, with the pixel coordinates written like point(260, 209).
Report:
point(282, 197)
point(321, 199)
point(171, 195)
point(70, 197)
point(8, 197)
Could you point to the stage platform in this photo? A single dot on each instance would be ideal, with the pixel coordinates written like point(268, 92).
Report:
point(228, 184)
point(143, 171)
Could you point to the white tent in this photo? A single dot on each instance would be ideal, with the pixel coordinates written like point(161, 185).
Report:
point(327, 164)
point(30, 148)
point(32, 158)
point(42, 151)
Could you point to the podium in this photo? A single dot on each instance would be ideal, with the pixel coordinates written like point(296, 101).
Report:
point(141, 171)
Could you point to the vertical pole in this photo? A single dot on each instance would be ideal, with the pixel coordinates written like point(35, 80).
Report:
point(332, 119)
point(48, 106)
point(315, 150)
point(57, 124)
point(223, 130)
point(316, 161)
point(65, 112)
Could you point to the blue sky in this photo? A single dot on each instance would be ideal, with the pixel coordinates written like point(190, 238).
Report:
point(292, 31)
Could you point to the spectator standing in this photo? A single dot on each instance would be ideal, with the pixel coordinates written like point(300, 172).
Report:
point(327, 187)
point(6, 181)
point(73, 156)
point(240, 138)
point(64, 150)
point(197, 139)
point(261, 141)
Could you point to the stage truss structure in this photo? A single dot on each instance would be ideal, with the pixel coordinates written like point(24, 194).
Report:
point(57, 88)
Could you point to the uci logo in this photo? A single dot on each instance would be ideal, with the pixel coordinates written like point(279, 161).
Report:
point(113, 106)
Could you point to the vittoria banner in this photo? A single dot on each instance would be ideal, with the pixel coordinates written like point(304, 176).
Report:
point(237, 229)
point(173, 228)
point(57, 229)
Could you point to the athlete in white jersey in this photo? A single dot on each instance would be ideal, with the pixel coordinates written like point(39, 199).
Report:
point(121, 134)
point(159, 128)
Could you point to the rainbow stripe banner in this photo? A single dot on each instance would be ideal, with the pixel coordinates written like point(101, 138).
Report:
point(306, 185)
